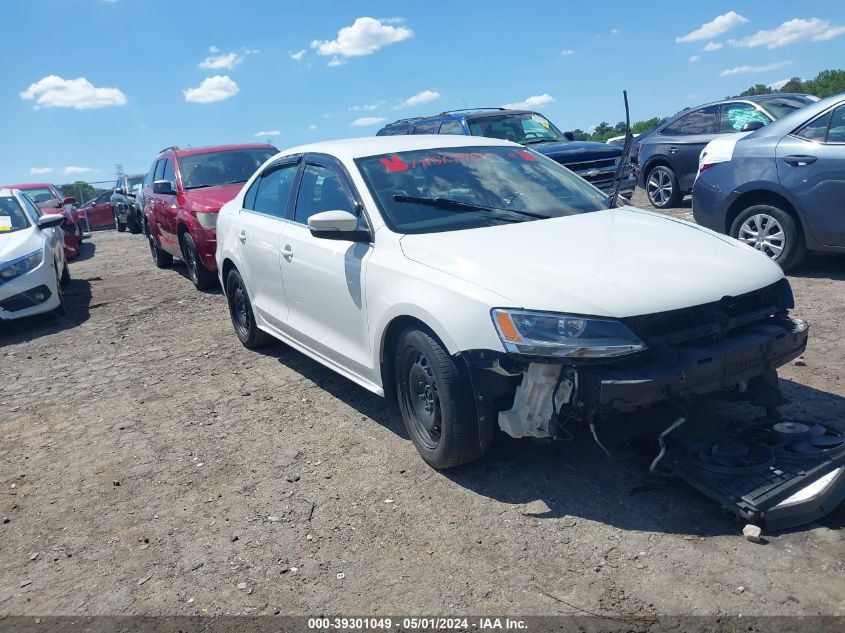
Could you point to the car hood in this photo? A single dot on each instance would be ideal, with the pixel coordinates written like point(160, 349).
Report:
point(618, 263)
point(212, 198)
point(577, 151)
point(19, 243)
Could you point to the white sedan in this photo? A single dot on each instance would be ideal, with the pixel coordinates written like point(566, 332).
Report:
point(483, 285)
point(32, 258)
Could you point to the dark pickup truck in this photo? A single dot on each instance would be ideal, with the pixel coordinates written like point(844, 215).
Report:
point(594, 162)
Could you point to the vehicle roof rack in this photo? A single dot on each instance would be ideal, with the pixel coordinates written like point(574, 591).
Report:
point(167, 149)
point(408, 120)
point(468, 110)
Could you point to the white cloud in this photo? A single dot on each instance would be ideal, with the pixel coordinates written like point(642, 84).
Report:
point(334, 62)
point(777, 85)
point(364, 37)
point(266, 133)
point(367, 107)
point(539, 101)
point(298, 55)
point(79, 93)
point(40, 170)
point(70, 169)
point(367, 120)
point(219, 62)
point(567, 52)
point(312, 127)
point(720, 24)
point(426, 96)
point(213, 49)
point(215, 88)
point(712, 46)
point(694, 58)
point(790, 32)
point(739, 70)
point(615, 32)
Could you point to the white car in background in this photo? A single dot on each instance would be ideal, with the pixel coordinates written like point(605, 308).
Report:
point(483, 285)
point(32, 258)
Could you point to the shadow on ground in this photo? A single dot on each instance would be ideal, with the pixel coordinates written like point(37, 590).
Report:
point(86, 251)
point(78, 310)
point(821, 266)
point(576, 478)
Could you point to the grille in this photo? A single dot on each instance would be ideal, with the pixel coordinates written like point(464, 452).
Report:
point(25, 299)
point(711, 319)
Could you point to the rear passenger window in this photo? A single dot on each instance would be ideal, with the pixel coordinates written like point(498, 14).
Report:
point(674, 129)
point(815, 130)
point(701, 121)
point(836, 133)
point(427, 128)
point(270, 193)
point(451, 127)
point(736, 115)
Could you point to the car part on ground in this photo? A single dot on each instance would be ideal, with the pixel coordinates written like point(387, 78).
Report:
point(668, 156)
point(779, 189)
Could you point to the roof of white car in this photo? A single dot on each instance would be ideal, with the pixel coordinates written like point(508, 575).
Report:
point(351, 148)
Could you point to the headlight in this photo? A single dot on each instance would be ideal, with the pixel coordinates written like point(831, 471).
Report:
point(550, 334)
point(207, 220)
point(20, 266)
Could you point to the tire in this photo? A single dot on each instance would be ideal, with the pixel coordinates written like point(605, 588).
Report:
point(436, 402)
point(662, 187)
point(240, 311)
point(132, 224)
point(61, 309)
point(160, 258)
point(199, 274)
point(65, 279)
point(772, 231)
point(121, 226)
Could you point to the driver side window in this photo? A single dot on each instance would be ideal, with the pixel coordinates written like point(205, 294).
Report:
point(321, 190)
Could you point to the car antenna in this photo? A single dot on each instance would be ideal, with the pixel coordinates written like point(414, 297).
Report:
point(626, 149)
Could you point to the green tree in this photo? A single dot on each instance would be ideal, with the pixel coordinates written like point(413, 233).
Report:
point(758, 89)
point(644, 126)
point(826, 83)
point(793, 85)
point(82, 191)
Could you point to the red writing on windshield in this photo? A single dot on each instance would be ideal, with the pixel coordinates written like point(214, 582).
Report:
point(519, 153)
point(394, 163)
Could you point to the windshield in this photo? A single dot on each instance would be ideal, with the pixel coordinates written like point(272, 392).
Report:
point(12, 216)
point(779, 107)
point(448, 189)
point(134, 183)
point(525, 128)
point(40, 195)
point(221, 168)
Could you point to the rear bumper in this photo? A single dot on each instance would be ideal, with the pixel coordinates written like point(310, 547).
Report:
point(696, 369)
point(710, 204)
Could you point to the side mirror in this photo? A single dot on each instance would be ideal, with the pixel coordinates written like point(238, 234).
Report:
point(752, 125)
point(120, 191)
point(336, 225)
point(163, 187)
point(49, 220)
point(69, 200)
point(569, 136)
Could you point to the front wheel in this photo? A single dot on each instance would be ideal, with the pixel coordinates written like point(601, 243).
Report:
point(772, 231)
point(199, 274)
point(132, 223)
point(435, 399)
point(240, 310)
point(662, 187)
point(65, 278)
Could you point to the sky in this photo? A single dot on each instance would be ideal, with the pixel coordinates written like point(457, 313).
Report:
point(88, 84)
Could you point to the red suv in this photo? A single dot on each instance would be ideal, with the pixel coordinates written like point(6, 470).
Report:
point(51, 200)
point(183, 192)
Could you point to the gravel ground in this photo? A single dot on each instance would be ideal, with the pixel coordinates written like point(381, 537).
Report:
point(151, 465)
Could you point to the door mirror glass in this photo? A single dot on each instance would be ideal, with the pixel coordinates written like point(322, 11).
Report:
point(163, 187)
point(752, 125)
point(337, 225)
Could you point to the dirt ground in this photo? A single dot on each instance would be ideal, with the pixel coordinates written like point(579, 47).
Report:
point(149, 464)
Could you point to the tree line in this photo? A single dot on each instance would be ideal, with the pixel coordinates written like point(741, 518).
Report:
point(825, 84)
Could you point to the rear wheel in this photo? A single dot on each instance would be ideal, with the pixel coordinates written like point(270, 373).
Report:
point(199, 274)
point(132, 223)
point(240, 309)
point(161, 259)
point(435, 399)
point(65, 280)
point(772, 231)
point(121, 226)
point(662, 187)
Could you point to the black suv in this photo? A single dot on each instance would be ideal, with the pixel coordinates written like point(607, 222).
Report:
point(123, 202)
point(594, 162)
point(668, 156)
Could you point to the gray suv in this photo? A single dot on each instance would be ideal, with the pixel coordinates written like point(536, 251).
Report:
point(780, 189)
point(668, 156)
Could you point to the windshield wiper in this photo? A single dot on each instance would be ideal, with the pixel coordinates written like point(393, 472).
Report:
point(534, 141)
point(463, 207)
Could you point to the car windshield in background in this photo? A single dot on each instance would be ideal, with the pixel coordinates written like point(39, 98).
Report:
point(221, 168)
point(135, 183)
point(12, 216)
point(432, 190)
point(781, 106)
point(41, 196)
point(525, 128)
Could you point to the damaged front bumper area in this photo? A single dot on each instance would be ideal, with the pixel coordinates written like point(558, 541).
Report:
point(534, 397)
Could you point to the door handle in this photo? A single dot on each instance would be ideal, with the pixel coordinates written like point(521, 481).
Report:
point(287, 252)
point(242, 237)
point(799, 161)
